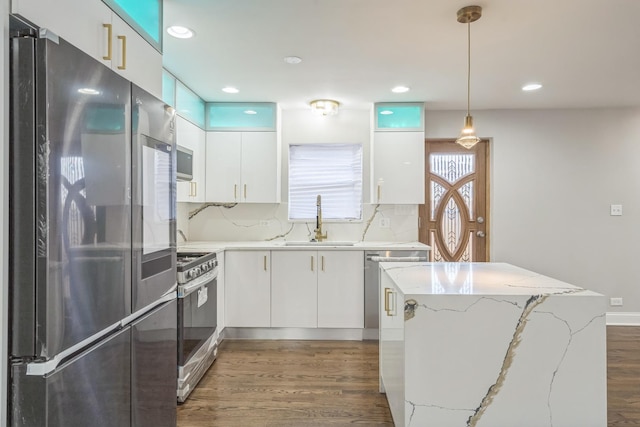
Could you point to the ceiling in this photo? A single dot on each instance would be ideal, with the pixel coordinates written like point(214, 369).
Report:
point(586, 53)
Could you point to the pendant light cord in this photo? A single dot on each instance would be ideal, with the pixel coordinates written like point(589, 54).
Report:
point(468, 66)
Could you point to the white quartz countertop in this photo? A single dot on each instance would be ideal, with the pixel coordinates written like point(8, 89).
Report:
point(424, 278)
point(214, 246)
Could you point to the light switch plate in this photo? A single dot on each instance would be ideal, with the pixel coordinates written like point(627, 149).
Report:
point(616, 210)
point(616, 302)
point(385, 222)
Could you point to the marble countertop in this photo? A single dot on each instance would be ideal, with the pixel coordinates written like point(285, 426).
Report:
point(214, 246)
point(424, 278)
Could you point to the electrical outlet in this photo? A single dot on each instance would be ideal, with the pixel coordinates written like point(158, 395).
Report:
point(264, 223)
point(385, 222)
point(615, 302)
point(616, 210)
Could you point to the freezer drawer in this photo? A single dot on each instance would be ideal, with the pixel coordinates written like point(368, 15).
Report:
point(92, 389)
point(154, 368)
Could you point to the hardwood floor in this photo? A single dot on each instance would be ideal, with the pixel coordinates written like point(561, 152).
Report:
point(332, 383)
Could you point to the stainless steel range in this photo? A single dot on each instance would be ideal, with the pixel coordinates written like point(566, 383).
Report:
point(197, 318)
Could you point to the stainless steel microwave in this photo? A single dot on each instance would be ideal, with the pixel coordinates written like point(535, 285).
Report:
point(184, 164)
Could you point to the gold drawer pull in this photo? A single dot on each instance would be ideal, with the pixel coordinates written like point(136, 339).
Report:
point(109, 28)
point(123, 65)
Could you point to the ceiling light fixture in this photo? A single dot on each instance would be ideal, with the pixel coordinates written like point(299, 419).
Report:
point(180, 32)
point(531, 86)
point(468, 137)
point(325, 107)
point(386, 112)
point(230, 89)
point(250, 112)
point(400, 89)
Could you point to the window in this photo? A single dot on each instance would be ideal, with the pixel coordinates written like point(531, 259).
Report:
point(333, 171)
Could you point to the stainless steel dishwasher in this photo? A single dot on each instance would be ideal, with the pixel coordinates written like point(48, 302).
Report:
point(371, 283)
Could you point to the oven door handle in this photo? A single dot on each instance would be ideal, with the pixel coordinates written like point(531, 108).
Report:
point(187, 288)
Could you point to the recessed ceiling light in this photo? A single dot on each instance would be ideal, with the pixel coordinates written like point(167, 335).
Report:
point(386, 112)
point(292, 59)
point(89, 91)
point(531, 86)
point(180, 32)
point(230, 89)
point(250, 112)
point(400, 89)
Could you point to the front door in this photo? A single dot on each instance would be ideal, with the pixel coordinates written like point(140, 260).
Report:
point(454, 221)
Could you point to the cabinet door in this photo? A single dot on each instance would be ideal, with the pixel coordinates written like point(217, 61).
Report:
point(294, 297)
point(247, 289)
point(341, 289)
point(135, 59)
point(259, 167)
point(398, 168)
point(192, 137)
point(223, 155)
point(392, 347)
point(86, 33)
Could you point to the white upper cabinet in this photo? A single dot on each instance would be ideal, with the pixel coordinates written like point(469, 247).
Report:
point(242, 167)
point(192, 137)
point(398, 168)
point(92, 27)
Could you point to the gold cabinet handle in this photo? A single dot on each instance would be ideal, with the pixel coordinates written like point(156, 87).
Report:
point(235, 191)
point(123, 65)
point(109, 28)
point(379, 191)
point(311, 262)
point(191, 189)
point(195, 188)
point(265, 263)
point(322, 259)
point(387, 291)
point(245, 191)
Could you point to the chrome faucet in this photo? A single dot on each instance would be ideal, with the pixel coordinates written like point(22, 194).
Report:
point(319, 237)
point(182, 234)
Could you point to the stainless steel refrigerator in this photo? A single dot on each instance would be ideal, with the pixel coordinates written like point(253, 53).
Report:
point(92, 253)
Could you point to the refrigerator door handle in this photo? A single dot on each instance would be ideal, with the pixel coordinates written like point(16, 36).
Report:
point(44, 368)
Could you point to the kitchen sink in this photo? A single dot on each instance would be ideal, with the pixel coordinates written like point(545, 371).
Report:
point(325, 243)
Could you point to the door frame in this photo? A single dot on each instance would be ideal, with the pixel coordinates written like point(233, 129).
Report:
point(423, 210)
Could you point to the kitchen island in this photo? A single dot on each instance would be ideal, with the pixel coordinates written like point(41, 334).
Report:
point(490, 344)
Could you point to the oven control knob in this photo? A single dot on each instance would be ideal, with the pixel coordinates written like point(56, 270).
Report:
point(205, 267)
point(187, 274)
point(197, 271)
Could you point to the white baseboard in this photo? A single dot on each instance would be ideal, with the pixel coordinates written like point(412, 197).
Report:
point(623, 319)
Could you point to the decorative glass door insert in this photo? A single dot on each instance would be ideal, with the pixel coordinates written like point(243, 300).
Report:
point(454, 221)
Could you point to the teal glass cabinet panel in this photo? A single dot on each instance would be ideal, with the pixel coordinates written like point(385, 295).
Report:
point(168, 88)
point(189, 105)
point(257, 116)
point(399, 116)
point(144, 16)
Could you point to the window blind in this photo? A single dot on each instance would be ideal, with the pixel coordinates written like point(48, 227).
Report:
point(333, 171)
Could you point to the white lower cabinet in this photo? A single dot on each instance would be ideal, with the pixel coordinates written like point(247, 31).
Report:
point(391, 347)
point(341, 289)
point(294, 290)
point(323, 289)
point(247, 288)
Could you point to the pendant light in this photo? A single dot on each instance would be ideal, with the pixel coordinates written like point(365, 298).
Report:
point(468, 137)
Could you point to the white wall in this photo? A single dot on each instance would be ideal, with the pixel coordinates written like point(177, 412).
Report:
point(554, 174)
point(243, 222)
point(4, 147)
